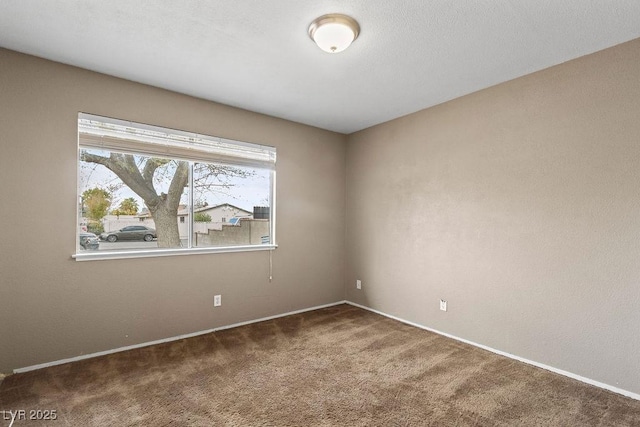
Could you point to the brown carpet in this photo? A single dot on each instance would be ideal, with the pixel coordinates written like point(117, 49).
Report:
point(339, 366)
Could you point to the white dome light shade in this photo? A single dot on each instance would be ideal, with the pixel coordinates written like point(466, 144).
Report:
point(334, 33)
point(333, 38)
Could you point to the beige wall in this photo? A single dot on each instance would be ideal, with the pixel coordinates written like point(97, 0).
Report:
point(520, 205)
point(52, 307)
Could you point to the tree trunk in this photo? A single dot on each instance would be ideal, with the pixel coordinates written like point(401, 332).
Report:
point(166, 226)
point(164, 208)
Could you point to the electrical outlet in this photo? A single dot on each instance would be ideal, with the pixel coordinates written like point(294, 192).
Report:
point(358, 284)
point(217, 300)
point(443, 305)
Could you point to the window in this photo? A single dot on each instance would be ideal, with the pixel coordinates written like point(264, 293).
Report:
point(178, 184)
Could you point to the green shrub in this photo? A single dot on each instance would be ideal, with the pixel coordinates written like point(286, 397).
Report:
point(201, 217)
point(95, 227)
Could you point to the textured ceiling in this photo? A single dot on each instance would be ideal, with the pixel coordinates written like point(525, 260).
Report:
point(256, 54)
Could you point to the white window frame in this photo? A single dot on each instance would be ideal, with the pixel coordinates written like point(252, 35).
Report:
point(147, 140)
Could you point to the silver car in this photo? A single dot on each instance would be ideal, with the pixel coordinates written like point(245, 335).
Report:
point(132, 232)
point(88, 241)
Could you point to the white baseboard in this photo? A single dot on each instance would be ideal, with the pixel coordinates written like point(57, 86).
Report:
point(165, 340)
point(511, 356)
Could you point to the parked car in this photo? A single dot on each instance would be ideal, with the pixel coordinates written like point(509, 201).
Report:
point(88, 241)
point(132, 232)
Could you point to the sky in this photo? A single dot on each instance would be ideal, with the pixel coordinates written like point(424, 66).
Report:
point(244, 193)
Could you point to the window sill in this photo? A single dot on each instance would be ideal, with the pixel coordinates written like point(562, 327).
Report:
point(98, 256)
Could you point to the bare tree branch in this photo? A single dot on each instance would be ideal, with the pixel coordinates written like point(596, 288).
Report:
point(124, 166)
point(178, 183)
point(151, 166)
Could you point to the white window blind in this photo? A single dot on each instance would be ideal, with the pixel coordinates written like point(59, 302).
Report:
point(124, 136)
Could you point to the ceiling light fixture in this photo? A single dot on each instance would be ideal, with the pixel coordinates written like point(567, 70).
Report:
point(334, 33)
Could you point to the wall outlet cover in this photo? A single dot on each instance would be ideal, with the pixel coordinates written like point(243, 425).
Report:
point(443, 305)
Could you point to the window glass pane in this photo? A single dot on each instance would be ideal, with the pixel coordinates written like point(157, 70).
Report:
point(143, 188)
point(132, 201)
point(231, 205)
